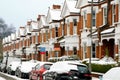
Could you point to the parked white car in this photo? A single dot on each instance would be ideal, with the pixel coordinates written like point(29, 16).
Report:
point(12, 67)
point(25, 68)
point(67, 70)
point(112, 74)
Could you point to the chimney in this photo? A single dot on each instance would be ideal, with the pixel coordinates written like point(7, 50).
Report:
point(28, 22)
point(56, 6)
point(39, 16)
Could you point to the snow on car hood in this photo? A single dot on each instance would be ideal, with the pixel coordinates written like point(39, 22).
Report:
point(112, 74)
point(15, 65)
point(26, 67)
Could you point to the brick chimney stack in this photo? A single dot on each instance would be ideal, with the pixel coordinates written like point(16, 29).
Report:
point(39, 16)
point(56, 6)
point(28, 22)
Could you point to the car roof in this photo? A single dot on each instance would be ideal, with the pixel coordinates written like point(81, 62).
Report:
point(65, 65)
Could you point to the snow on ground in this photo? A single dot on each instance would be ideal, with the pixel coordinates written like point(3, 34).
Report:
point(2, 78)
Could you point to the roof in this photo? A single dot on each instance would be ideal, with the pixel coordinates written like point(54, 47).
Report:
point(55, 14)
point(71, 6)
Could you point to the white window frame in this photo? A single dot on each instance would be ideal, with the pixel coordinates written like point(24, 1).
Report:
point(104, 15)
point(94, 18)
point(75, 27)
point(68, 27)
point(113, 13)
point(84, 19)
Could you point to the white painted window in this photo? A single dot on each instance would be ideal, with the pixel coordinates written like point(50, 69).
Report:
point(84, 19)
point(104, 15)
point(68, 27)
point(75, 26)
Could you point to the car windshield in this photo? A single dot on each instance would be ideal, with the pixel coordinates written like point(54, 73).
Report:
point(82, 69)
point(47, 66)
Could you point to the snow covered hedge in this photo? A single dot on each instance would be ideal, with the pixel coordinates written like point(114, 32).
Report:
point(102, 65)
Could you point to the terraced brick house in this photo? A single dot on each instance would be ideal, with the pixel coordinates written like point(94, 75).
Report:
point(105, 19)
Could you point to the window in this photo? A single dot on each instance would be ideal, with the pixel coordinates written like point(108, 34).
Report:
point(30, 40)
point(113, 13)
point(105, 15)
point(56, 30)
point(93, 50)
point(68, 27)
point(75, 26)
point(94, 18)
point(67, 51)
point(74, 50)
point(46, 34)
point(50, 33)
point(63, 30)
point(84, 19)
point(84, 50)
point(75, 22)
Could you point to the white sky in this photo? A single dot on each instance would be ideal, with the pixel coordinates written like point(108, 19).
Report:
point(18, 12)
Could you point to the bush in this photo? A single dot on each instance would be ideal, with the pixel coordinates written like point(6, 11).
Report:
point(101, 68)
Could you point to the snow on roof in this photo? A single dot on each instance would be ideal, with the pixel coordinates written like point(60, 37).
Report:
point(71, 6)
point(107, 30)
point(112, 74)
point(94, 0)
point(55, 14)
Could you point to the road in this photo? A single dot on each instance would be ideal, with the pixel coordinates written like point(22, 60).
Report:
point(4, 76)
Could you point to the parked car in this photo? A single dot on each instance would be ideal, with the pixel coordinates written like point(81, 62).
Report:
point(37, 71)
point(112, 74)
point(6, 61)
point(67, 70)
point(25, 68)
point(12, 67)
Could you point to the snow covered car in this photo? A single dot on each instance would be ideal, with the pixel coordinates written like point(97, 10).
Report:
point(112, 74)
point(37, 71)
point(24, 69)
point(67, 70)
point(6, 61)
point(12, 67)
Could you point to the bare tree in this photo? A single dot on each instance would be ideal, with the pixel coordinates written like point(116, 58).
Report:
point(5, 30)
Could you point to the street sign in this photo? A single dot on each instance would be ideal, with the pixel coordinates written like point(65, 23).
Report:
point(42, 50)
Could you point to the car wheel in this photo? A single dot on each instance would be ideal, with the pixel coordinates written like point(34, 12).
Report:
point(9, 71)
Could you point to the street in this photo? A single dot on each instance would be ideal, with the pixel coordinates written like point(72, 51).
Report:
point(4, 76)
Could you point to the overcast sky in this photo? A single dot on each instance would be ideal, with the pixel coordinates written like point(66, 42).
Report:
point(18, 12)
